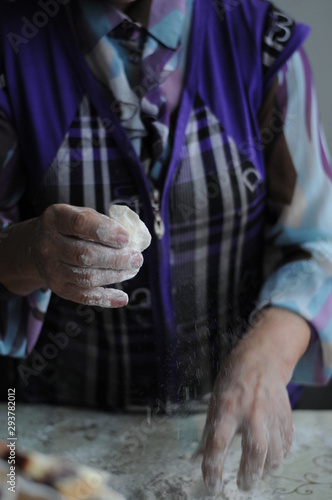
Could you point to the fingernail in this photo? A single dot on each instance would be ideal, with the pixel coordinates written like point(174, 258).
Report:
point(121, 302)
point(136, 261)
point(122, 240)
point(247, 483)
point(213, 485)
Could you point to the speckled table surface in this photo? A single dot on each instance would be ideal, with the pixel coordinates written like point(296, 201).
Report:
point(148, 456)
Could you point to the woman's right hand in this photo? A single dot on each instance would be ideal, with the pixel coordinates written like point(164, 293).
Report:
point(75, 251)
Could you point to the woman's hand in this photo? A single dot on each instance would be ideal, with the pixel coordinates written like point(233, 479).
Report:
point(250, 397)
point(76, 252)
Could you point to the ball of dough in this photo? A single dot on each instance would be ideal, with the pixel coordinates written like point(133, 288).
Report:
point(139, 236)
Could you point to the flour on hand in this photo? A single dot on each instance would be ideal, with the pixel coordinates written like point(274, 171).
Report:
point(139, 236)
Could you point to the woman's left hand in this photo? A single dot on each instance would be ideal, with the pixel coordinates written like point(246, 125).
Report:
point(250, 397)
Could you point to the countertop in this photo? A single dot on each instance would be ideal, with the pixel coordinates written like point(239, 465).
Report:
point(148, 456)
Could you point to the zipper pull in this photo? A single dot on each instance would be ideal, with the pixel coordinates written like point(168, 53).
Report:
point(159, 227)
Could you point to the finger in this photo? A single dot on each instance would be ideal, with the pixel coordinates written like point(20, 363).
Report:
point(286, 431)
point(91, 255)
point(92, 278)
point(254, 452)
point(213, 401)
point(275, 453)
point(101, 297)
point(201, 447)
point(287, 439)
point(89, 225)
point(220, 435)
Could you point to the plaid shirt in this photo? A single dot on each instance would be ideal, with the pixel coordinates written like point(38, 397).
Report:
point(217, 229)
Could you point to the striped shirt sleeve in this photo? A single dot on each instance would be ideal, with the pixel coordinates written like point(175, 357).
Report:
point(21, 318)
point(298, 256)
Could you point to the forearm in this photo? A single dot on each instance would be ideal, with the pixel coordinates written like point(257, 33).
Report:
point(279, 334)
point(18, 269)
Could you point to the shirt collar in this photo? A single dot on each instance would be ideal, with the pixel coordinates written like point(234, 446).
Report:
point(95, 19)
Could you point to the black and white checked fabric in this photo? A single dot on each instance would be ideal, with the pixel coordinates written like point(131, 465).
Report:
point(216, 201)
point(111, 362)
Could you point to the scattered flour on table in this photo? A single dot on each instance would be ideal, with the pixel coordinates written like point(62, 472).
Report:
point(149, 460)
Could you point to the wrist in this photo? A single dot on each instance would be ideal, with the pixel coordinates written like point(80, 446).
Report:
point(18, 270)
point(281, 336)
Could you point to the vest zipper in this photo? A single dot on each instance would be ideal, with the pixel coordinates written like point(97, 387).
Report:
point(159, 227)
